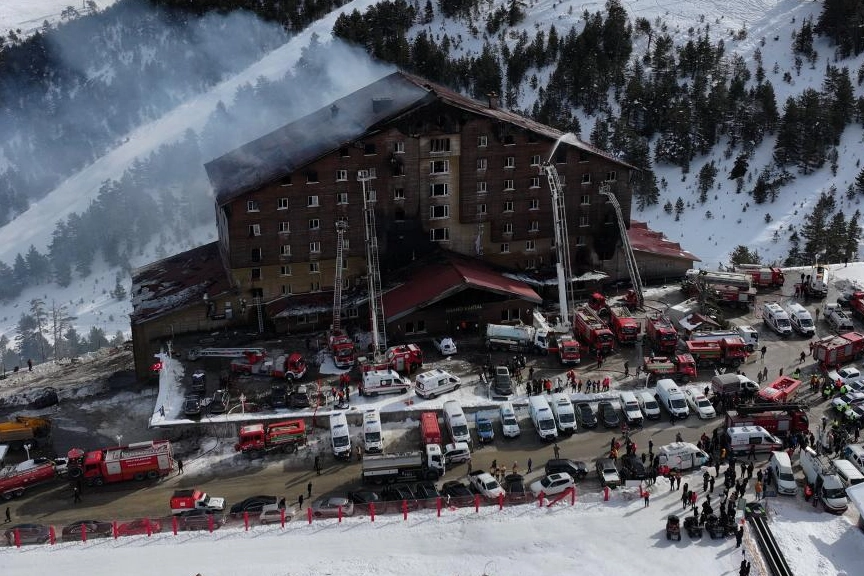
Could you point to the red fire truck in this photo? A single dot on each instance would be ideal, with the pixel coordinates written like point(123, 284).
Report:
point(256, 439)
point(140, 461)
point(568, 349)
point(681, 368)
point(834, 351)
point(730, 351)
point(430, 431)
point(16, 478)
point(624, 325)
point(342, 348)
point(661, 335)
point(289, 367)
point(763, 276)
point(782, 391)
point(778, 419)
point(592, 330)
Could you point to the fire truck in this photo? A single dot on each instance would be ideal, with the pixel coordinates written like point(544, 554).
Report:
point(405, 358)
point(661, 335)
point(16, 478)
point(342, 347)
point(624, 325)
point(592, 330)
point(856, 302)
point(681, 368)
point(727, 351)
point(833, 351)
point(140, 461)
point(783, 390)
point(763, 276)
point(724, 287)
point(778, 419)
point(568, 349)
point(257, 439)
point(289, 367)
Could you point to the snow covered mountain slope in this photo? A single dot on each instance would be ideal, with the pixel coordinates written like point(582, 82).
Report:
point(29, 15)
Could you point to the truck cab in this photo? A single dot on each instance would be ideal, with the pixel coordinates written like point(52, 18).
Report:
point(194, 499)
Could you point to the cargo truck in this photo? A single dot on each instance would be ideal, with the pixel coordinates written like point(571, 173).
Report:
point(592, 330)
point(257, 439)
point(430, 431)
point(518, 338)
point(726, 351)
point(140, 461)
point(681, 368)
point(661, 334)
point(778, 419)
point(427, 464)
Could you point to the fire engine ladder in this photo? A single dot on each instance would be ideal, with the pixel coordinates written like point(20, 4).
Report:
point(562, 240)
point(341, 227)
point(625, 242)
point(376, 302)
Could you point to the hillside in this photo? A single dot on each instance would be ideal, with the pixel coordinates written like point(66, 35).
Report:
point(176, 209)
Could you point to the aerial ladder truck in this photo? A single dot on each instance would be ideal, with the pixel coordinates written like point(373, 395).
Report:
point(635, 278)
point(377, 323)
point(340, 344)
point(562, 240)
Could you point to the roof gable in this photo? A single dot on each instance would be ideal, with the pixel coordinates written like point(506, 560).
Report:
point(643, 239)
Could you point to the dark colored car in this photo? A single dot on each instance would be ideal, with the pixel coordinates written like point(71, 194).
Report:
point(363, 498)
point(199, 520)
point(278, 396)
point(192, 405)
point(28, 533)
point(586, 415)
point(456, 493)
point(427, 492)
point(93, 528)
point(502, 383)
point(219, 404)
point(396, 493)
point(253, 504)
point(514, 484)
point(199, 382)
point(608, 415)
point(576, 469)
point(45, 398)
point(300, 397)
point(631, 468)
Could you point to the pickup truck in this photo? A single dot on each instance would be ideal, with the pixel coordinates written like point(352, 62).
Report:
point(837, 318)
point(195, 499)
point(485, 484)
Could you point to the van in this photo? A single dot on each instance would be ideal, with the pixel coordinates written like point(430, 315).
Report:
point(542, 418)
point(509, 422)
point(801, 320)
point(671, 398)
point(682, 456)
point(648, 404)
point(387, 381)
point(740, 439)
point(848, 473)
point(827, 486)
point(855, 454)
point(562, 410)
point(730, 384)
point(373, 437)
point(775, 318)
point(457, 452)
point(630, 408)
point(435, 382)
point(456, 422)
point(340, 438)
point(781, 467)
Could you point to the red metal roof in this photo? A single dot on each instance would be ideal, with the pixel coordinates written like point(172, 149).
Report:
point(438, 281)
point(643, 239)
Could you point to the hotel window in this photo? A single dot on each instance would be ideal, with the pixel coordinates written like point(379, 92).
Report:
point(535, 182)
point(535, 160)
point(399, 194)
point(314, 268)
point(442, 211)
point(315, 247)
point(481, 209)
point(315, 286)
point(510, 162)
point(530, 246)
point(342, 198)
point(252, 206)
point(439, 167)
point(254, 230)
point(371, 195)
point(534, 204)
point(256, 274)
point(534, 226)
point(508, 184)
point(368, 149)
point(399, 147)
point(314, 224)
point(312, 177)
point(256, 254)
point(481, 163)
point(341, 175)
point(586, 178)
point(285, 270)
point(286, 289)
point(481, 187)
point(439, 145)
point(439, 234)
point(284, 228)
point(508, 228)
point(508, 206)
point(482, 141)
point(442, 189)
point(583, 221)
point(611, 176)
point(505, 248)
point(285, 250)
point(580, 241)
point(312, 201)
point(585, 199)
point(283, 204)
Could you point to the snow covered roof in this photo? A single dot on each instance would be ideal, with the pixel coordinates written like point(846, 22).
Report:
point(313, 303)
point(536, 280)
point(178, 281)
point(643, 239)
point(293, 146)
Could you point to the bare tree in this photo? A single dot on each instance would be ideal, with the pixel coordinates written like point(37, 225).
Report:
point(40, 316)
point(61, 321)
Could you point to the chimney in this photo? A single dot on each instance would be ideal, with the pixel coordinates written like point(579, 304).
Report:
point(334, 111)
point(493, 100)
point(381, 104)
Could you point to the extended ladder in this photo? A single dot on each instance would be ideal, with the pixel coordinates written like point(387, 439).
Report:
point(377, 321)
point(562, 241)
point(625, 242)
point(341, 227)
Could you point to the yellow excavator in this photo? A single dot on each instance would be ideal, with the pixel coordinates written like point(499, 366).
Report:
point(24, 430)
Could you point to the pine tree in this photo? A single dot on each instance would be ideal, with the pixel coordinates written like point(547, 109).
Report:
point(853, 237)
point(119, 292)
point(96, 339)
point(744, 255)
point(859, 182)
point(679, 208)
point(794, 258)
point(787, 147)
point(815, 228)
point(707, 174)
point(739, 169)
point(428, 13)
point(600, 134)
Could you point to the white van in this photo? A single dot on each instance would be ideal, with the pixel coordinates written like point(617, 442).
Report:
point(671, 398)
point(340, 437)
point(562, 409)
point(802, 321)
point(542, 418)
point(648, 404)
point(373, 437)
point(435, 382)
point(388, 381)
point(826, 484)
point(750, 336)
point(781, 467)
point(855, 454)
point(848, 473)
point(456, 422)
point(775, 318)
point(739, 440)
point(457, 452)
point(509, 422)
point(630, 408)
point(682, 456)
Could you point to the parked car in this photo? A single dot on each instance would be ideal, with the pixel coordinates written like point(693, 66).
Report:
point(272, 514)
point(28, 534)
point(219, 404)
point(632, 468)
point(139, 526)
point(700, 404)
point(585, 415)
point(199, 519)
point(552, 484)
point(607, 472)
point(445, 345)
point(514, 484)
point(426, 491)
point(502, 383)
point(576, 469)
point(93, 528)
point(300, 397)
point(854, 398)
point(608, 414)
point(192, 405)
point(457, 493)
point(845, 375)
point(362, 498)
point(328, 507)
point(397, 493)
point(278, 396)
point(252, 504)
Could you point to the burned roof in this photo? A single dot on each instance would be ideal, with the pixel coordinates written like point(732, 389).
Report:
point(177, 282)
point(643, 239)
point(289, 148)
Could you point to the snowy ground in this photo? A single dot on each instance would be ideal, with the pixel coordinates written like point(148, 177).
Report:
point(29, 15)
